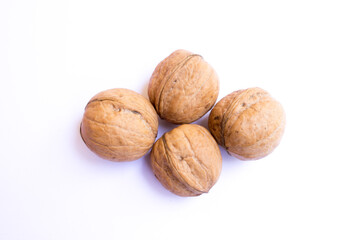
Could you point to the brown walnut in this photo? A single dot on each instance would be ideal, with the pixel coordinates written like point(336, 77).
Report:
point(186, 160)
point(183, 87)
point(248, 123)
point(119, 125)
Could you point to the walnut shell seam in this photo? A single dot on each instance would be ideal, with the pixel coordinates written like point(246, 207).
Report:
point(181, 64)
point(124, 109)
point(232, 108)
point(179, 178)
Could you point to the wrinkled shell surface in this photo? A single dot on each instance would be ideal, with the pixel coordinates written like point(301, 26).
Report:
point(186, 160)
point(119, 125)
point(248, 123)
point(183, 87)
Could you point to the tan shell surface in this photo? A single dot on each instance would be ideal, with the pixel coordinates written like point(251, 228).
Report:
point(248, 123)
point(119, 125)
point(183, 87)
point(187, 160)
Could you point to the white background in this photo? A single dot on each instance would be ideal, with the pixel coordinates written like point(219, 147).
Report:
point(55, 55)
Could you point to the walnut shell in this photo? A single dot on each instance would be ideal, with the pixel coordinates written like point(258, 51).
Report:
point(248, 123)
point(119, 125)
point(183, 87)
point(186, 160)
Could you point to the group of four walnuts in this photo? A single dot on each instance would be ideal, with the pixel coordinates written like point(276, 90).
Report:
point(122, 125)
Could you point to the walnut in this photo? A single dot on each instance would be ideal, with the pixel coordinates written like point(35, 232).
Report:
point(119, 125)
point(183, 87)
point(248, 123)
point(186, 160)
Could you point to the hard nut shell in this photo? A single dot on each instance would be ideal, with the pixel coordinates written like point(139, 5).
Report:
point(183, 87)
point(248, 123)
point(119, 125)
point(186, 160)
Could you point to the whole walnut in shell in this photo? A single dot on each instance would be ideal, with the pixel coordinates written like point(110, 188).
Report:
point(183, 87)
point(248, 123)
point(119, 125)
point(186, 160)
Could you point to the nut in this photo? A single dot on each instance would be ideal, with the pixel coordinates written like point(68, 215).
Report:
point(119, 125)
point(186, 160)
point(183, 87)
point(248, 123)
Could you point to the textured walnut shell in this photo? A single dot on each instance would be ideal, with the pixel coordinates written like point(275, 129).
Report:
point(183, 87)
point(248, 123)
point(119, 125)
point(186, 160)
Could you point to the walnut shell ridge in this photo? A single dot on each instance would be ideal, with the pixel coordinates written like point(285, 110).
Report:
point(119, 125)
point(248, 123)
point(186, 160)
point(183, 87)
